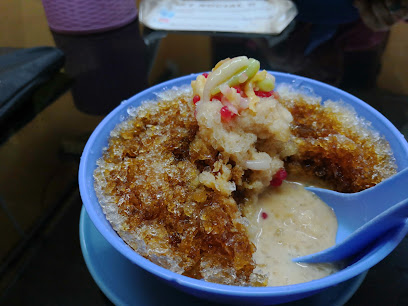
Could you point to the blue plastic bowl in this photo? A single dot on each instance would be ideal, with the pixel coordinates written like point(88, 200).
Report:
point(236, 294)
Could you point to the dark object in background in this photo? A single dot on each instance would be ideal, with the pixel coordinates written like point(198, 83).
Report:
point(326, 12)
point(350, 59)
point(29, 81)
point(107, 67)
point(24, 70)
point(329, 43)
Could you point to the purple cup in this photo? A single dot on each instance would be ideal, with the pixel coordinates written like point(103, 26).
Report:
point(89, 16)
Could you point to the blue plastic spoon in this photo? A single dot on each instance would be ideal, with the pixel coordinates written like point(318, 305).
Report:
point(363, 216)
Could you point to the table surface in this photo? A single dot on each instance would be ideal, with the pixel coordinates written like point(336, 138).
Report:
point(109, 67)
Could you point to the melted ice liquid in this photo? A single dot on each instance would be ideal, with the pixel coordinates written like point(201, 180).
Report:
point(287, 222)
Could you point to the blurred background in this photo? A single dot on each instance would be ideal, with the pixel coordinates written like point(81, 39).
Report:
point(42, 139)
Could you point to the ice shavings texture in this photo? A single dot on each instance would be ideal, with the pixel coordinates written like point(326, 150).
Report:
point(335, 145)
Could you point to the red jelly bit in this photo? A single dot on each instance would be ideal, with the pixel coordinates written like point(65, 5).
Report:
point(264, 215)
point(205, 74)
point(281, 174)
point(276, 182)
point(196, 99)
point(238, 89)
point(279, 177)
point(263, 94)
point(226, 114)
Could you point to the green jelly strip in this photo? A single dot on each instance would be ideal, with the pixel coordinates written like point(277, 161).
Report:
point(250, 71)
point(265, 85)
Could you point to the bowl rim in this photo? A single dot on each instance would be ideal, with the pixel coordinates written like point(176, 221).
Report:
point(354, 269)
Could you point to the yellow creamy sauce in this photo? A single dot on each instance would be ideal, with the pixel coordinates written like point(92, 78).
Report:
point(286, 222)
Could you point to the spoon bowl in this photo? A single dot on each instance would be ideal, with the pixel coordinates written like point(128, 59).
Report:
point(363, 216)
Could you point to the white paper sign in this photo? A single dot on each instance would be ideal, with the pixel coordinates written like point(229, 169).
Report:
point(243, 16)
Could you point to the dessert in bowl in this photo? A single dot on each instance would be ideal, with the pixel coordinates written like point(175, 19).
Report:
point(192, 179)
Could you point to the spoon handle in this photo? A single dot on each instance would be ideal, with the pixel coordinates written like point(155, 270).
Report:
point(384, 195)
point(394, 217)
